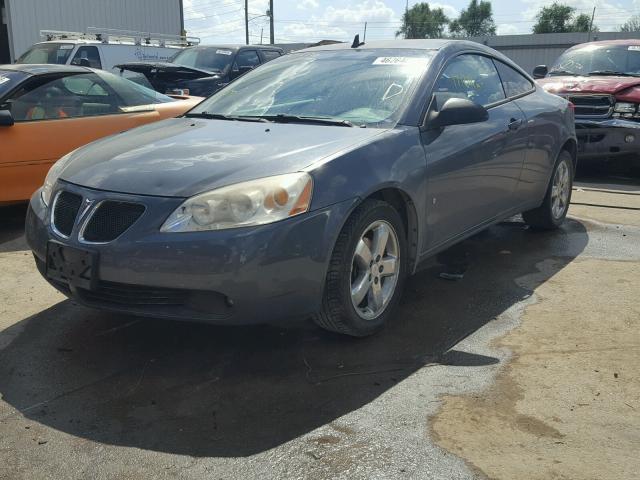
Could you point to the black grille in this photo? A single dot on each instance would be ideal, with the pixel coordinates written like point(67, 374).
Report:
point(110, 220)
point(594, 106)
point(134, 295)
point(65, 212)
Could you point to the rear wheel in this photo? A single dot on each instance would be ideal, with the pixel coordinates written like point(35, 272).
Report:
point(553, 210)
point(366, 272)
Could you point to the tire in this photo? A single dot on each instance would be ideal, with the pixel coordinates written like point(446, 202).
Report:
point(364, 228)
point(550, 215)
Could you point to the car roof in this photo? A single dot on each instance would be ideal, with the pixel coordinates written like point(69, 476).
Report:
point(235, 46)
point(417, 44)
point(45, 68)
point(628, 41)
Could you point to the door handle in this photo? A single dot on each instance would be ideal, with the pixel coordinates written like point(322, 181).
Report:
point(515, 124)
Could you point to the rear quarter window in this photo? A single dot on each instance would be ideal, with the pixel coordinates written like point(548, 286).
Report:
point(270, 54)
point(514, 82)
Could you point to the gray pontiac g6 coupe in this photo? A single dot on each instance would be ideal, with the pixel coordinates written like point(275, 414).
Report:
point(309, 187)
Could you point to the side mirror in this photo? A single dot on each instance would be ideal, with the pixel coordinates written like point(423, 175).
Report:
point(457, 111)
point(540, 71)
point(6, 119)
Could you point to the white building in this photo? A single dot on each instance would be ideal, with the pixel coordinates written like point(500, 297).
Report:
point(22, 20)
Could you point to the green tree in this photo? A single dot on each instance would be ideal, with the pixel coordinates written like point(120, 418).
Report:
point(582, 23)
point(559, 18)
point(422, 21)
point(631, 25)
point(476, 20)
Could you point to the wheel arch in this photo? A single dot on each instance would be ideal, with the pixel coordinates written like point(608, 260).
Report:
point(571, 146)
point(404, 204)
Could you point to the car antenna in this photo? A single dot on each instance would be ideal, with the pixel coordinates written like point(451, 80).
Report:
point(356, 41)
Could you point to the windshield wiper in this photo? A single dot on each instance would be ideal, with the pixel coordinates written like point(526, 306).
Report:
point(281, 117)
point(220, 116)
point(563, 72)
point(612, 72)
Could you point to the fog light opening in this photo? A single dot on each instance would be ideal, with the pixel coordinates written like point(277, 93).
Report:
point(629, 138)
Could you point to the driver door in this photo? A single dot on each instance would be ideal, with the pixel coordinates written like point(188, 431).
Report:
point(472, 169)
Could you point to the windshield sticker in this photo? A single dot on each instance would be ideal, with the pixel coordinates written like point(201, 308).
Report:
point(4, 79)
point(224, 52)
point(634, 48)
point(66, 46)
point(409, 61)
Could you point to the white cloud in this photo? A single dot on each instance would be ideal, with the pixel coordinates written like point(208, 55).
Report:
point(307, 5)
point(508, 29)
point(449, 10)
point(341, 23)
point(222, 20)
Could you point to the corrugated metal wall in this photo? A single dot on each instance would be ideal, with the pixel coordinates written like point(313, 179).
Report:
point(28, 17)
point(543, 49)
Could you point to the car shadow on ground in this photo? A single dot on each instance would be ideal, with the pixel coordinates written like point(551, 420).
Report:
point(202, 390)
point(12, 229)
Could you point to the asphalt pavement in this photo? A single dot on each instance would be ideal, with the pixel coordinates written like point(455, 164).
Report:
point(88, 394)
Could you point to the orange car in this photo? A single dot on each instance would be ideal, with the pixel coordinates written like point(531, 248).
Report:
point(46, 111)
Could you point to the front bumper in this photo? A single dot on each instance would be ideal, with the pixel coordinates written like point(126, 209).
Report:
point(236, 276)
point(609, 138)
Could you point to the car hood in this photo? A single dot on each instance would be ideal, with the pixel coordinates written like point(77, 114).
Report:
point(180, 157)
point(597, 84)
point(147, 68)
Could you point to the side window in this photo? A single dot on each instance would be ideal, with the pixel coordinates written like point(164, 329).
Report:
point(82, 95)
point(87, 56)
point(270, 54)
point(469, 76)
point(514, 82)
point(246, 58)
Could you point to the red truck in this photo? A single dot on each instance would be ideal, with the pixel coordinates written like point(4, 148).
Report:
point(602, 80)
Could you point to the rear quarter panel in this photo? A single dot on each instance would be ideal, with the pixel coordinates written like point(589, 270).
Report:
point(550, 125)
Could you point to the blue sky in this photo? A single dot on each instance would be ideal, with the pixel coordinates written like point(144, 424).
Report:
point(312, 20)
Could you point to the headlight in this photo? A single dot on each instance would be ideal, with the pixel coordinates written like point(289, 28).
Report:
point(52, 177)
point(256, 202)
point(624, 107)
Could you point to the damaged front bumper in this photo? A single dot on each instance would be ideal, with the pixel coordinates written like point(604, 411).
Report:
point(609, 138)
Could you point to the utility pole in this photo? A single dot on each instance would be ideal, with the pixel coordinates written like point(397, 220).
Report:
point(364, 37)
point(261, 31)
point(593, 14)
point(246, 21)
point(271, 32)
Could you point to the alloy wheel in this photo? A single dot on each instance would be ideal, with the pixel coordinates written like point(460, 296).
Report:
point(375, 269)
point(560, 190)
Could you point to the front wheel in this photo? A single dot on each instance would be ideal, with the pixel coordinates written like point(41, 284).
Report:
point(366, 272)
point(553, 210)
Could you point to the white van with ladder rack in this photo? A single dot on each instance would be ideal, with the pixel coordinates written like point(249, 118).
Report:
point(104, 48)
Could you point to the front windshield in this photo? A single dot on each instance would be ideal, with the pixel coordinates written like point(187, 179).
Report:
point(365, 87)
point(624, 59)
point(211, 59)
point(47, 53)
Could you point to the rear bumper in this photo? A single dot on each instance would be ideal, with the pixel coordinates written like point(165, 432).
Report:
point(610, 138)
point(235, 276)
